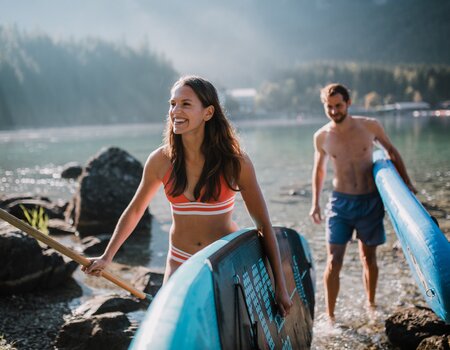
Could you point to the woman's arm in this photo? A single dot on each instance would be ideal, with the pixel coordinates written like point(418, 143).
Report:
point(150, 182)
point(256, 206)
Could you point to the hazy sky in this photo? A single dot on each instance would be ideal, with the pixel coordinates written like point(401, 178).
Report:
point(202, 37)
point(238, 43)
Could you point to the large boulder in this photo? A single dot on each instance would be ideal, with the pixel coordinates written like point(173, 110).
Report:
point(107, 185)
point(27, 266)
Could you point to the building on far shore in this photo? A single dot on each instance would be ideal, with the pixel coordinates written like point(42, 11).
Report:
point(241, 101)
point(403, 107)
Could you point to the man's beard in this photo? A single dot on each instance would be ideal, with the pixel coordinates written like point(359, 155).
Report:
point(340, 119)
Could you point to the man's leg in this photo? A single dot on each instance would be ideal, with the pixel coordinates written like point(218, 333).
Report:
point(335, 258)
point(368, 258)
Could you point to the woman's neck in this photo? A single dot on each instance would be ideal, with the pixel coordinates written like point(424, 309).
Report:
point(192, 145)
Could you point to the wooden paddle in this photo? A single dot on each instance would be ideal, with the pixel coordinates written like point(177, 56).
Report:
point(21, 225)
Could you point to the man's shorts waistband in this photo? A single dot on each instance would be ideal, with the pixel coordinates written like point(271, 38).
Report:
point(355, 196)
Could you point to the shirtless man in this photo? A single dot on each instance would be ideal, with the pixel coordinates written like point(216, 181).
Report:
point(354, 203)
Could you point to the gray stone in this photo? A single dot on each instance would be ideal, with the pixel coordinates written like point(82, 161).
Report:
point(107, 185)
point(435, 343)
point(71, 170)
point(408, 327)
point(109, 303)
point(110, 331)
point(27, 266)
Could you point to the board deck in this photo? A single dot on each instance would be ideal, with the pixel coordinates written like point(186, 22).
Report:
point(223, 298)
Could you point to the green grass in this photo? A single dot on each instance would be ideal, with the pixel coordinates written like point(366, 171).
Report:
point(37, 218)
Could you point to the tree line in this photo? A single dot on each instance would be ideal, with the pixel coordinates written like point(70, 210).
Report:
point(297, 89)
point(48, 83)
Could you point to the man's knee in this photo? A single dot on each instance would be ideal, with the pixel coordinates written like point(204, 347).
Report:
point(369, 260)
point(335, 262)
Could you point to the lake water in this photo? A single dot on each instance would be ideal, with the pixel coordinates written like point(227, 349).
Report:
point(282, 152)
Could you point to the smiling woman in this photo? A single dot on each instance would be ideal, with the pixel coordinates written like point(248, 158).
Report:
point(202, 167)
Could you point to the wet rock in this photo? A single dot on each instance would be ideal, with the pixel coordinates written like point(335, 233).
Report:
point(96, 245)
point(27, 266)
point(60, 227)
point(435, 343)
point(52, 210)
point(6, 199)
point(109, 303)
point(71, 170)
point(408, 327)
point(299, 192)
point(107, 185)
point(147, 280)
point(107, 331)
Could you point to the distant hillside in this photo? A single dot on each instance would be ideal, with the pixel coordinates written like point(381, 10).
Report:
point(382, 31)
point(43, 83)
point(240, 43)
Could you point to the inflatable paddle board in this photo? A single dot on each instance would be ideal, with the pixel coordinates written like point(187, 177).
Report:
point(223, 298)
point(425, 247)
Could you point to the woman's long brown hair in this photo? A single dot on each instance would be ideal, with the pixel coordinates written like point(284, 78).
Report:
point(220, 147)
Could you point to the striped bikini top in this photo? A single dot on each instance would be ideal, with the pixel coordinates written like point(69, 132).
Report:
point(183, 206)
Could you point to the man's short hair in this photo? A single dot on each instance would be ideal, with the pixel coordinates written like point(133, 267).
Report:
point(334, 89)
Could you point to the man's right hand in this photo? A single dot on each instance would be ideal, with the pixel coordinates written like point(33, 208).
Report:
point(315, 214)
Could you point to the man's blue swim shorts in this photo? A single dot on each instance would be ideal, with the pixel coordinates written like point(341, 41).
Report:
point(363, 213)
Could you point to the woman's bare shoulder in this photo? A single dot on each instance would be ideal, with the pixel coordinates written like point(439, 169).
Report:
point(158, 162)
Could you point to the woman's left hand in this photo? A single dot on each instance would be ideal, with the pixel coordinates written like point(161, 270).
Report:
point(283, 301)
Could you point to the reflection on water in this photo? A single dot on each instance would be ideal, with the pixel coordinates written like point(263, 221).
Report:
point(32, 161)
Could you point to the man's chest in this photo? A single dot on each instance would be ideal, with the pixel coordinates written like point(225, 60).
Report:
point(351, 146)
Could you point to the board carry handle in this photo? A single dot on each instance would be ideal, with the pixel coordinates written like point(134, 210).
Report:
point(21, 225)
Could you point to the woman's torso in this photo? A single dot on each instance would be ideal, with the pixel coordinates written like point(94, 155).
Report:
point(196, 224)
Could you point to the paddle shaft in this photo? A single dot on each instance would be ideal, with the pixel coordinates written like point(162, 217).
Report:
point(21, 225)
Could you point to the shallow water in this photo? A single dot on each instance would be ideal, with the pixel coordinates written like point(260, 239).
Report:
point(31, 160)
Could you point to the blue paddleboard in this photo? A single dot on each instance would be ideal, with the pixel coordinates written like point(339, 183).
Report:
point(425, 247)
point(223, 298)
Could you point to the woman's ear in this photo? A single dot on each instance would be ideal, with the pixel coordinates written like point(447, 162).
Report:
point(209, 113)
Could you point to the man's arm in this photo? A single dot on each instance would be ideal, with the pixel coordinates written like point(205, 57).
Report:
point(318, 175)
point(393, 153)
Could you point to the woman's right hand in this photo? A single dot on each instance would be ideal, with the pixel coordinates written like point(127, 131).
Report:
point(96, 267)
